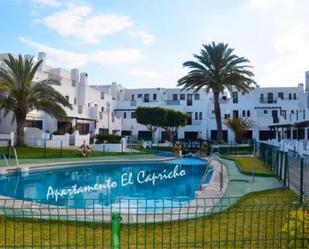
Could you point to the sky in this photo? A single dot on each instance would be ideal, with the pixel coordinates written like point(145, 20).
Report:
point(143, 43)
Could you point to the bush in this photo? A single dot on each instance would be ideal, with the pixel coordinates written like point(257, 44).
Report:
point(112, 139)
point(297, 229)
point(58, 132)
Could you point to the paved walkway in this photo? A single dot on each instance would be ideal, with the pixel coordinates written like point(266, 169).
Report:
point(241, 184)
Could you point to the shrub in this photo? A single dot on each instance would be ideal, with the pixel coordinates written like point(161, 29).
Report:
point(58, 132)
point(297, 229)
point(112, 139)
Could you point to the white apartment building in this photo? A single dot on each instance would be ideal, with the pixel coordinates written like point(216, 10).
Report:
point(111, 108)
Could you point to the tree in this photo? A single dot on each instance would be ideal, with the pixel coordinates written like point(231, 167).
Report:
point(216, 68)
point(151, 117)
point(239, 126)
point(173, 120)
point(20, 94)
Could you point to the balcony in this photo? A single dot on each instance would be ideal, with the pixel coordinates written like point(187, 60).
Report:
point(221, 101)
point(196, 122)
point(172, 102)
point(268, 101)
point(133, 103)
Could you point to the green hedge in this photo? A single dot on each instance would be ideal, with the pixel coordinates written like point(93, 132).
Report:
point(112, 139)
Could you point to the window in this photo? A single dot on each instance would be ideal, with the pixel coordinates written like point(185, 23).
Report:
point(224, 98)
point(235, 97)
point(133, 115)
point(281, 95)
point(102, 109)
point(75, 101)
point(283, 113)
point(189, 99)
point(146, 98)
point(102, 95)
point(132, 97)
point(175, 97)
point(196, 115)
point(244, 113)
point(154, 96)
point(95, 105)
point(270, 98)
point(262, 98)
point(197, 96)
point(248, 113)
point(200, 115)
point(265, 111)
point(67, 97)
point(294, 95)
point(290, 95)
point(73, 83)
point(182, 96)
point(226, 116)
point(139, 96)
point(88, 104)
point(235, 114)
point(124, 115)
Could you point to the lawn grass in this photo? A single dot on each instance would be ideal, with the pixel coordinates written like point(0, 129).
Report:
point(255, 221)
point(37, 152)
point(246, 165)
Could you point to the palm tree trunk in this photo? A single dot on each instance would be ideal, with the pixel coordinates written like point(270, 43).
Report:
point(20, 122)
point(218, 117)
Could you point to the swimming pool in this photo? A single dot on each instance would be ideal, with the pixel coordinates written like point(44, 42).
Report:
point(102, 185)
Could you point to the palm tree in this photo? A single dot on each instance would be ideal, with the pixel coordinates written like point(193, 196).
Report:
point(216, 69)
point(239, 126)
point(20, 94)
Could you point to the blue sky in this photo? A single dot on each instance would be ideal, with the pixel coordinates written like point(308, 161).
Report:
point(143, 43)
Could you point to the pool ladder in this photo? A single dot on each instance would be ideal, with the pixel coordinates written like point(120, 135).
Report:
point(214, 157)
point(6, 159)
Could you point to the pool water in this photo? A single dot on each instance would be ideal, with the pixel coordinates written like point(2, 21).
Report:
point(142, 185)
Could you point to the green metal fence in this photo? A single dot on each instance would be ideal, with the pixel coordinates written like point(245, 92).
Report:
point(263, 222)
point(288, 166)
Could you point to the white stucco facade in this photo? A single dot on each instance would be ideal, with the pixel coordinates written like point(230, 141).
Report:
point(110, 108)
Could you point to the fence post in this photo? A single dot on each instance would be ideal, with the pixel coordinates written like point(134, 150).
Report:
point(281, 165)
point(286, 166)
point(45, 147)
point(301, 191)
point(61, 147)
point(116, 230)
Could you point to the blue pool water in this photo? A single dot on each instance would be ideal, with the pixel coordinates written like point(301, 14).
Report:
point(151, 184)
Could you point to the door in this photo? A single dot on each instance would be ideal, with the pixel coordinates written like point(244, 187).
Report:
point(191, 135)
point(274, 114)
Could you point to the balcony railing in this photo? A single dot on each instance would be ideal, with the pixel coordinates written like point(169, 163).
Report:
point(196, 122)
point(172, 102)
point(221, 101)
point(268, 101)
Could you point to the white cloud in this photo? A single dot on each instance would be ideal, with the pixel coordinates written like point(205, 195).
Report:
point(78, 22)
point(145, 75)
point(285, 25)
point(267, 4)
point(145, 37)
point(64, 58)
point(47, 3)
point(291, 61)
